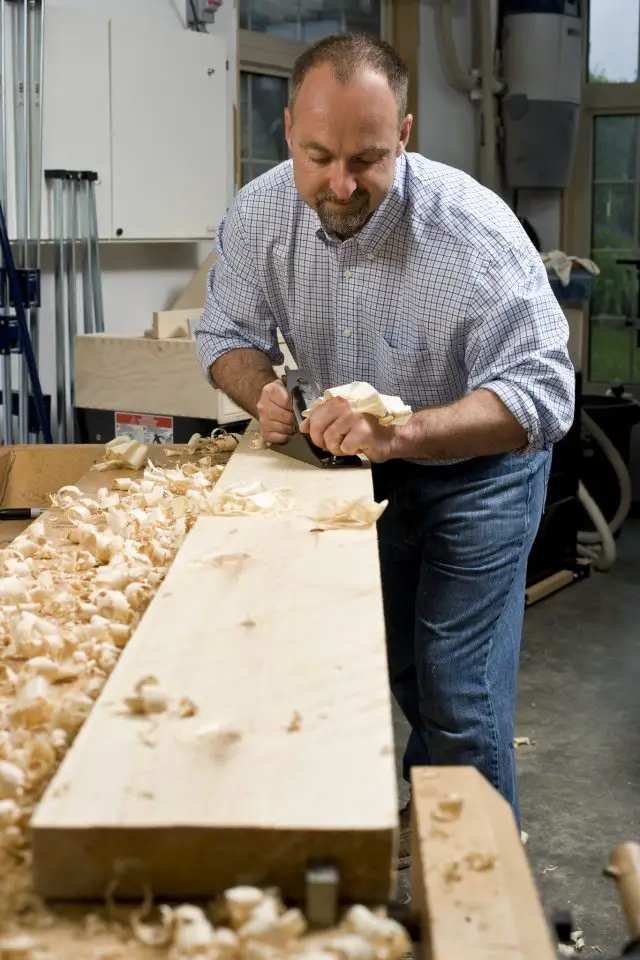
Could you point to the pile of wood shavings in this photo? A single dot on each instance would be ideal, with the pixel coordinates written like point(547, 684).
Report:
point(253, 924)
point(67, 608)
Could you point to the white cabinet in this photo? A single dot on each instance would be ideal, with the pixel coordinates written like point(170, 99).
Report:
point(76, 133)
point(144, 106)
point(168, 127)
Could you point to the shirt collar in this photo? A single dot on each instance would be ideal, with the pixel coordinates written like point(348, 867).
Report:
point(385, 218)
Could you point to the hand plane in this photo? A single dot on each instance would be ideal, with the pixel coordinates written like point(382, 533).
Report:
point(303, 390)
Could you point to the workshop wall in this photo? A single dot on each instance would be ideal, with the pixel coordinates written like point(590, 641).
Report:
point(448, 124)
point(137, 278)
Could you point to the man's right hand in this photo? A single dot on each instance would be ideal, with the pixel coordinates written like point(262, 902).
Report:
point(275, 413)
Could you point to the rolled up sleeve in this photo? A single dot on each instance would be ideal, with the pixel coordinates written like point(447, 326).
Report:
point(236, 314)
point(516, 345)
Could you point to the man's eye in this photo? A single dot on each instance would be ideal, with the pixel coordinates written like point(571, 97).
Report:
point(321, 161)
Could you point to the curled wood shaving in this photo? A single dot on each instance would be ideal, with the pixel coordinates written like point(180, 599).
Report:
point(363, 398)
point(123, 451)
point(448, 809)
point(333, 514)
point(186, 707)
point(147, 697)
point(522, 742)
point(251, 497)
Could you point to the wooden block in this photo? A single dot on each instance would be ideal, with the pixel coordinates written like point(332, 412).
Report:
point(141, 375)
point(286, 646)
point(168, 324)
point(471, 883)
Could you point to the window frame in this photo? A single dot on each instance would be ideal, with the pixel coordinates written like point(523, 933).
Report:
point(597, 100)
point(275, 56)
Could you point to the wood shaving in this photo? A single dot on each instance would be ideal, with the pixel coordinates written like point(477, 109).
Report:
point(334, 514)
point(219, 736)
point(18, 947)
point(577, 939)
point(448, 809)
point(186, 707)
point(250, 498)
point(480, 862)
point(147, 697)
point(363, 398)
point(522, 742)
point(295, 723)
point(123, 451)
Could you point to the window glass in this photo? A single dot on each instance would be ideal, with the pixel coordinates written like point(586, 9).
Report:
point(613, 41)
point(263, 99)
point(614, 327)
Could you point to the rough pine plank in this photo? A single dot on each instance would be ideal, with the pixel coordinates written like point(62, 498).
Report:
point(471, 882)
point(189, 820)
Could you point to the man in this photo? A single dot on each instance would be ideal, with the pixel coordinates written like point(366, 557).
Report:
point(382, 266)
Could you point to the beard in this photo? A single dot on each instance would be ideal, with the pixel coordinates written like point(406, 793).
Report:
point(340, 217)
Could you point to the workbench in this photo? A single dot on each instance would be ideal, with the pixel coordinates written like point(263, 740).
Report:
point(473, 891)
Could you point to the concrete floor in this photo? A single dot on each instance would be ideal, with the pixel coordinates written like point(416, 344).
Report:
point(579, 702)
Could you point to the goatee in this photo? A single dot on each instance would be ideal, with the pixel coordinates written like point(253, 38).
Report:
point(343, 218)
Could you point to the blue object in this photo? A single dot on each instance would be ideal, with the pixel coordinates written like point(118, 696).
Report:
point(579, 289)
point(566, 8)
point(16, 296)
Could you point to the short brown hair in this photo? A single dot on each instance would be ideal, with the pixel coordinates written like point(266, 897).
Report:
point(348, 54)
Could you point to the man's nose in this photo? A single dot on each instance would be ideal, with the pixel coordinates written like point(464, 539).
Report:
point(343, 182)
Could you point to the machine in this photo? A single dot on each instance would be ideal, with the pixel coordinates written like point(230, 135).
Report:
point(542, 71)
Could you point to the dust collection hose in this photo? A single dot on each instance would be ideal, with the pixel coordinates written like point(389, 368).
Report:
point(599, 545)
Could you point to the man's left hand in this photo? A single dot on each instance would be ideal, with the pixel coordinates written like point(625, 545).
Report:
point(335, 427)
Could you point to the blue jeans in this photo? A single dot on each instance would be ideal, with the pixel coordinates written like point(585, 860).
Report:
point(454, 544)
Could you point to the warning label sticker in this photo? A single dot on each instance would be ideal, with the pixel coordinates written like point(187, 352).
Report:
point(144, 427)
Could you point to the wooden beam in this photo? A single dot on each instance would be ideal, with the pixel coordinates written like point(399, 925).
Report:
point(142, 375)
point(405, 33)
point(472, 885)
point(285, 644)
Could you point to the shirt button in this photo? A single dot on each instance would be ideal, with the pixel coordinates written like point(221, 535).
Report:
point(346, 333)
point(370, 256)
point(348, 274)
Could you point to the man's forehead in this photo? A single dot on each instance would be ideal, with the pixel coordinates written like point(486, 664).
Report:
point(356, 146)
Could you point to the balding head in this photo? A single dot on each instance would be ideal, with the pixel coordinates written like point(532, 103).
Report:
point(345, 127)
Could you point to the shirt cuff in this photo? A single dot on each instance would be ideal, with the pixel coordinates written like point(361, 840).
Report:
point(522, 407)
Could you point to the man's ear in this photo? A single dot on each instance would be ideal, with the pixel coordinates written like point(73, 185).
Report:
point(288, 123)
point(405, 132)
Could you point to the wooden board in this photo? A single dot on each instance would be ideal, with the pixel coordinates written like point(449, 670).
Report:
point(142, 375)
point(169, 324)
point(467, 913)
point(29, 473)
point(195, 822)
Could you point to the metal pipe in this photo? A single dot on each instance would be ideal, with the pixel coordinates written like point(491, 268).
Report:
point(7, 386)
point(457, 77)
point(96, 278)
point(87, 292)
point(72, 313)
point(23, 167)
point(488, 146)
point(59, 310)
